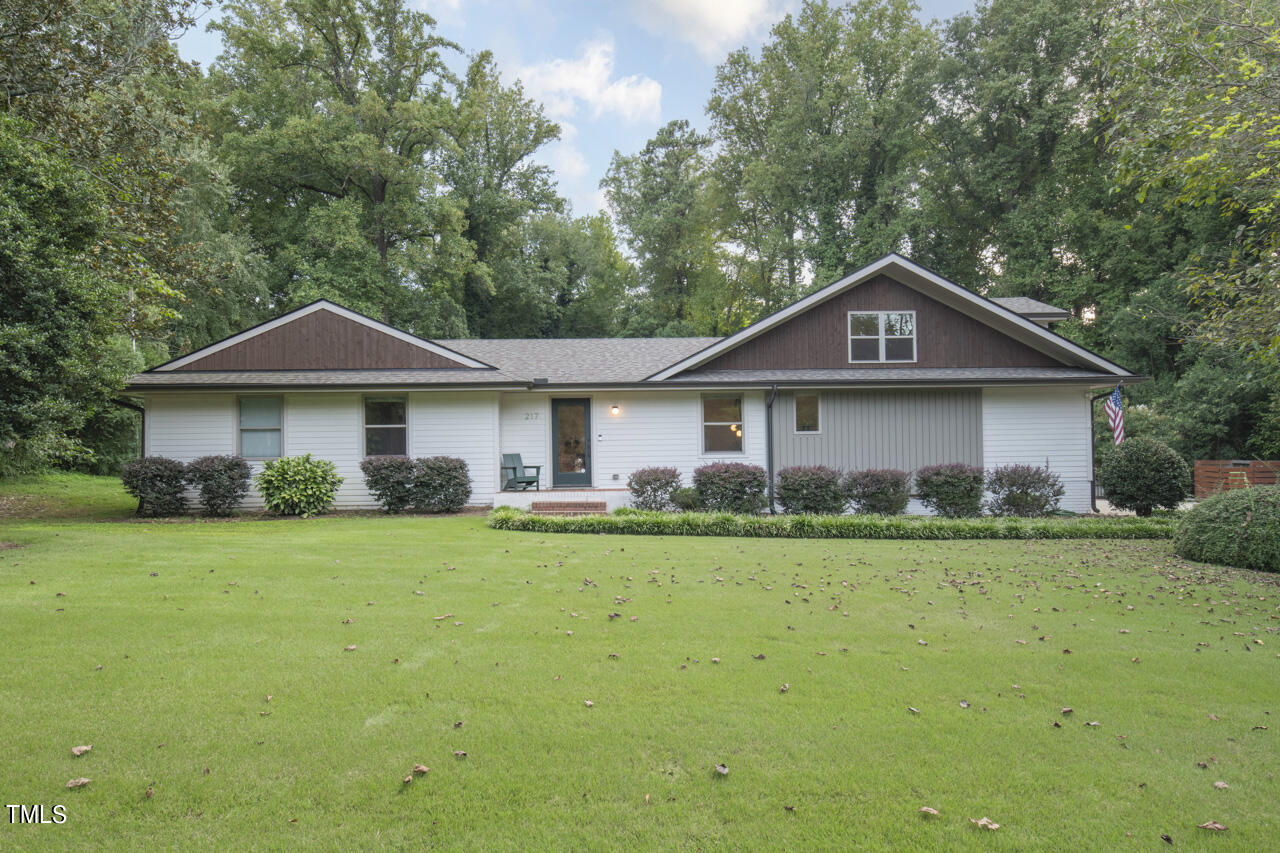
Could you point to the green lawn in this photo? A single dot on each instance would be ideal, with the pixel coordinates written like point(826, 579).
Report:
point(160, 643)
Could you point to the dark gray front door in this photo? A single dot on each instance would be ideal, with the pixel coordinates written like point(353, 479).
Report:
point(571, 442)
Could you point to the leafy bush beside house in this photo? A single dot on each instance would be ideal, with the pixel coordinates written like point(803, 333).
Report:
point(1142, 474)
point(878, 491)
point(1240, 528)
point(1023, 490)
point(441, 484)
point(686, 499)
point(298, 485)
point(222, 481)
point(652, 488)
point(953, 490)
point(158, 483)
point(434, 484)
point(390, 480)
point(810, 489)
point(731, 487)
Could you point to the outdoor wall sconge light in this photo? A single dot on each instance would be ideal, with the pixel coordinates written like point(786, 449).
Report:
point(615, 409)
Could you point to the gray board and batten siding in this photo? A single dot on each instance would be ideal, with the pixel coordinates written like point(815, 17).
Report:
point(904, 429)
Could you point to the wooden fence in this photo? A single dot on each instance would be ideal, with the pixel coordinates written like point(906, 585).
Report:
point(1216, 475)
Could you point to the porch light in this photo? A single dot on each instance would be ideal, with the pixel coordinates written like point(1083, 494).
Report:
point(615, 409)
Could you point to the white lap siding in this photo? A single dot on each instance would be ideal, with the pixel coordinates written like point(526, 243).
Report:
point(327, 425)
point(664, 429)
point(462, 424)
point(1032, 426)
point(525, 428)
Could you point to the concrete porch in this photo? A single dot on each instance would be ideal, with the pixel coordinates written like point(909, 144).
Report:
point(572, 499)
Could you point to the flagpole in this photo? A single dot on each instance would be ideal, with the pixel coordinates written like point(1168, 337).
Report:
point(1093, 488)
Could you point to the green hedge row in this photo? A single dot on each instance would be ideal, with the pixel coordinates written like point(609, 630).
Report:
point(835, 526)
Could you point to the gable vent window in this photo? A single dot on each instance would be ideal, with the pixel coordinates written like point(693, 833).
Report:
point(882, 336)
point(260, 427)
point(386, 431)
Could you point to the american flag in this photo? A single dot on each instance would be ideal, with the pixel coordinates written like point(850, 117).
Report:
point(1115, 414)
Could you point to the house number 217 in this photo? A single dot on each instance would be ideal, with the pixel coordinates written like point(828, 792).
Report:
point(531, 416)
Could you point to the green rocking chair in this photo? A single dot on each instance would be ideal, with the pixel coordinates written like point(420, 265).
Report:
point(520, 478)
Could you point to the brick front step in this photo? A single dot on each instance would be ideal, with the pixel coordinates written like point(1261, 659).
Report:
point(568, 508)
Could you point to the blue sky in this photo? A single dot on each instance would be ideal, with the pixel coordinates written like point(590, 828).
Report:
point(610, 72)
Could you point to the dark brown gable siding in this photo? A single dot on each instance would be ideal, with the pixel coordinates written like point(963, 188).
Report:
point(819, 338)
point(321, 340)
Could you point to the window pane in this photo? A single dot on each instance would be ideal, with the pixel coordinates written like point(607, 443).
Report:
point(722, 410)
point(864, 324)
point(383, 411)
point(721, 438)
point(260, 443)
point(899, 349)
point(864, 349)
point(385, 441)
point(806, 413)
point(260, 412)
point(899, 325)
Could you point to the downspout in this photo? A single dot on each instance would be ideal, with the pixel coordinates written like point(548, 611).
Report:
point(1093, 489)
point(768, 443)
point(142, 413)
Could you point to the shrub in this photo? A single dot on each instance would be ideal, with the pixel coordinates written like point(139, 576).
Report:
point(158, 484)
point(952, 491)
point(223, 481)
point(390, 480)
point(1240, 528)
point(636, 522)
point(298, 485)
point(686, 498)
point(731, 487)
point(651, 488)
point(1142, 474)
point(1023, 490)
point(812, 489)
point(878, 491)
point(441, 484)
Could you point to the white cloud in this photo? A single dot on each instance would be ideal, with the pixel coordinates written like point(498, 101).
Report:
point(562, 84)
point(711, 27)
point(565, 157)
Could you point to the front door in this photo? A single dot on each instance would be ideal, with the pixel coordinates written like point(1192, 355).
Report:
point(571, 442)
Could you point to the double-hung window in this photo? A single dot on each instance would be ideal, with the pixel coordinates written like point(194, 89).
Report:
point(722, 423)
point(386, 430)
point(260, 427)
point(882, 336)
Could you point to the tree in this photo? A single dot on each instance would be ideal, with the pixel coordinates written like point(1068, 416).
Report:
point(328, 113)
point(660, 201)
point(818, 141)
point(56, 314)
point(489, 170)
point(1195, 104)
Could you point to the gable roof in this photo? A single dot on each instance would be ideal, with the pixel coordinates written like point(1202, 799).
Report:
point(580, 361)
point(1032, 309)
point(931, 284)
point(455, 359)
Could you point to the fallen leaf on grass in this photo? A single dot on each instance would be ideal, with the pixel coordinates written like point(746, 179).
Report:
point(928, 811)
point(722, 769)
point(421, 769)
point(784, 688)
point(646, 799)
point(1093, 723)
point(347, 621)
point(78, 783)
point(408, 779)
point(715, 660)
point(151, 791)
point(588, 703)
point(1166, 838)
point(1221, 786)
point(1066, 711)
point(80, 750)
point(789, 808)
point(1259, 728)
point(349, 649)
point(964, 703)
point(985, 823)
point(1213, 717)
point(913, 710)
point(458, 753)
point(759, 656)
point(1211, 824)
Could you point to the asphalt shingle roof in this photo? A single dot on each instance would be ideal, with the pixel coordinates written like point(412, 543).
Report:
point(579, 361)
point(1029, 307)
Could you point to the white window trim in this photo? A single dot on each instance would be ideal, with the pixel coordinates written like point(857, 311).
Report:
point(240, 430)
point(915, 338)
point(703, 423)
point(795, 413)
point(408, 420)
